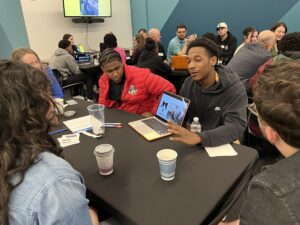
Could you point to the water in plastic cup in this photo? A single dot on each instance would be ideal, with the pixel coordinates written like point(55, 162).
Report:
point(96, 112)
point(167, 163)
point(105, 158)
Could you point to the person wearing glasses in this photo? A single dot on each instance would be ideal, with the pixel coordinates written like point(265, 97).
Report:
point(178, 44)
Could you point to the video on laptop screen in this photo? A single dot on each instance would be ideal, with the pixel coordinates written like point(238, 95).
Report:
point(172, 107)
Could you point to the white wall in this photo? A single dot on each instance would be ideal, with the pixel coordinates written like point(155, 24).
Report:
point(46, 24)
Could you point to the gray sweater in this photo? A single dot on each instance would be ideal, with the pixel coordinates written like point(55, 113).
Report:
point(221, 108)
point(64, 63)
point(248, 59)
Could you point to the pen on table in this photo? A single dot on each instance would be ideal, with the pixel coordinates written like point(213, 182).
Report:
point(116, 125)
point(120, 124)
point(58, 131)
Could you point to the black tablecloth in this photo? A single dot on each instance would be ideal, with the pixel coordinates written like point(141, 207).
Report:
point(203, 190)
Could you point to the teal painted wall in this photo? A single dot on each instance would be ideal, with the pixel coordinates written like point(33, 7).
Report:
point(12, 27)
point(138, 15)
point(150, 13)
point(292, 18)
point(202, 16)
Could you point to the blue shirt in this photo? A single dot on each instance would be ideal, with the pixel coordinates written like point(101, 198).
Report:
point(52, 192)
point(175, 46)
point(55, 87)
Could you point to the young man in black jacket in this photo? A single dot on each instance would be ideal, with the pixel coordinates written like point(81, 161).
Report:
point(217, 97)
point(227, 42)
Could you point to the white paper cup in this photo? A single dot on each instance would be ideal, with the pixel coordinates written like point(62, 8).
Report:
point(167, 163)
point(105, 158)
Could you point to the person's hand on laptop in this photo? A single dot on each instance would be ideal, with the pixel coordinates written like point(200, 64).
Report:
point(147, 114)
point(182, 134)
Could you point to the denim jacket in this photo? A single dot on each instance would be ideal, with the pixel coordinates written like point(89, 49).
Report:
point(274, 195)
point(52, 192)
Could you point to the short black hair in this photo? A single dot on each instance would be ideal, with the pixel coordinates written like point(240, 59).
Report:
point(110, 41)
point(210, 46)
point(290, 42)
point(150, 45)
point(248, 30)
point(109, 55)
point(63, 43)
point(181, 26)
point(210, 36)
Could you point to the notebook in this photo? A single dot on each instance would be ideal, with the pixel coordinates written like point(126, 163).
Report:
point(171, 107)
point(179, 62)
point(82, 57)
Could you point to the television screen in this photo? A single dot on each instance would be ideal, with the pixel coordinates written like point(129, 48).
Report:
point(89, 8)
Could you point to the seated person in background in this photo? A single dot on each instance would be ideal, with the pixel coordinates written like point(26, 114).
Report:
point(138, 45)
point(68, 68)
point(279, 29)
point(70, 38)
point(110, 41)
point(289, 48)
point(218, 98)
point(227, 42)
point(154, 33)
point(273, 195)
point(149, 59)
point(178, 44)
point(129, 88)
point(251, 56)
point(28, 56)
point(249, 36)
point(143, 32)
point(37, 185)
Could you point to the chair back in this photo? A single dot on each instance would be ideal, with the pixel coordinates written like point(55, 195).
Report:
point(58, 76)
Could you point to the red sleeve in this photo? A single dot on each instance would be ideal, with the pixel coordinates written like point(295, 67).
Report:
point(260, 71)
point(156, 85)
point(102, 89)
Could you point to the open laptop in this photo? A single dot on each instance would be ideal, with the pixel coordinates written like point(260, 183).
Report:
point(82, 57)
point(171, 107)
point(179, 62)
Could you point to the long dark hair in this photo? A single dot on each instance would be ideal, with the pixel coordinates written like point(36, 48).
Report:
point(25, 122)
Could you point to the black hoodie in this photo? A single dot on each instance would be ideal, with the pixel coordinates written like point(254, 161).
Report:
point(153, 62)
point(227, 47)
point(221, 108)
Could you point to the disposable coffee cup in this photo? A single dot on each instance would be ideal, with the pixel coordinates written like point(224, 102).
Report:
point(167, 163)
point(105, 158)
point(96, 112)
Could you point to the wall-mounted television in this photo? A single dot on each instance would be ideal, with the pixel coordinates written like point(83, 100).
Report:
point(87, 8)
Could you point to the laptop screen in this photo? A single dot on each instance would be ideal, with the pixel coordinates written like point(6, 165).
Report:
point(172, 107)
point(84, 57)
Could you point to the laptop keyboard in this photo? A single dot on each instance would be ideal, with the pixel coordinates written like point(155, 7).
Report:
point(156, 125)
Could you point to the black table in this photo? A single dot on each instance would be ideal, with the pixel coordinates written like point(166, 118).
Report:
point(203, 190)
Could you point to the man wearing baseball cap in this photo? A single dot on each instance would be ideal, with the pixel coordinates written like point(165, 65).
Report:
point(227, 43)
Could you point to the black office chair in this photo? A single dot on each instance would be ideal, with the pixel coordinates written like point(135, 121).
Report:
point(79, 85)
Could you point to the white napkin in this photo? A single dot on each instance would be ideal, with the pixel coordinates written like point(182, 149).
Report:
point(222, 150)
